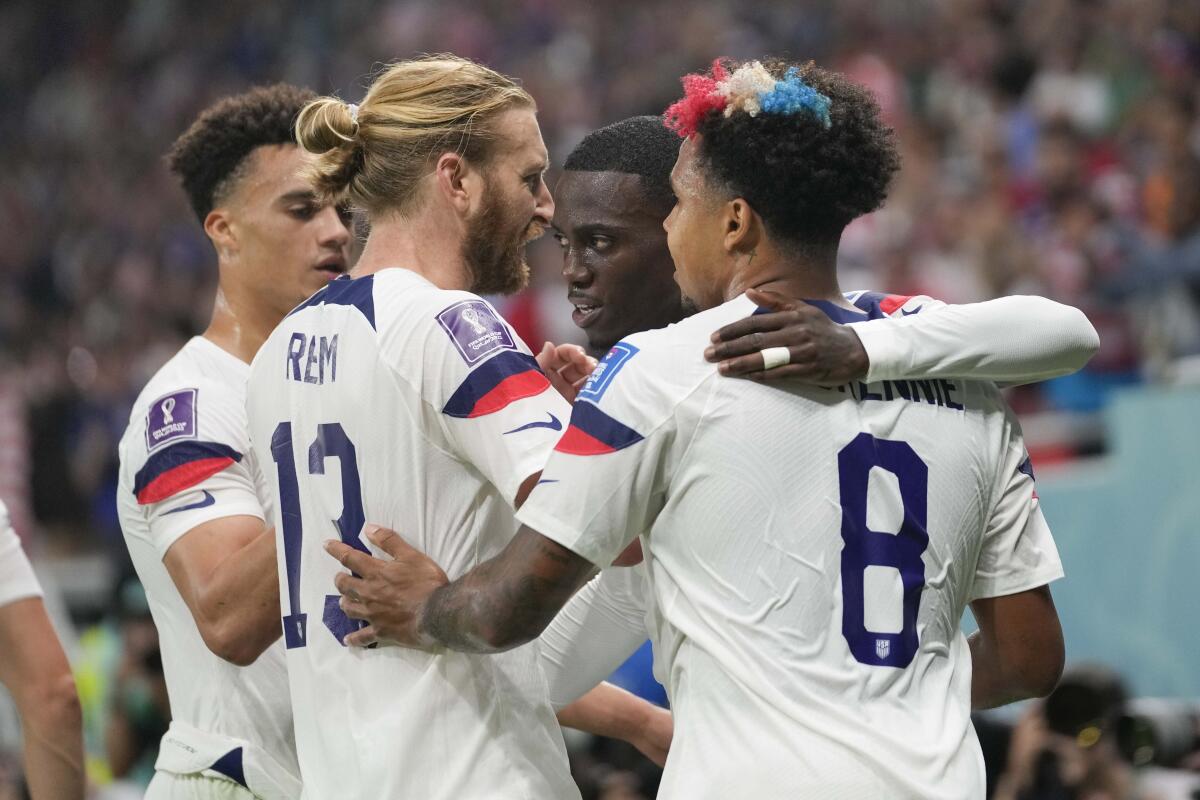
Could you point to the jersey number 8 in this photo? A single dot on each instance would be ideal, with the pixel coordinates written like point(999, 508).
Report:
point(899, 550)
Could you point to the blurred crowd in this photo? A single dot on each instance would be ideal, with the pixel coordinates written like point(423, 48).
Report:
point(1050, 147)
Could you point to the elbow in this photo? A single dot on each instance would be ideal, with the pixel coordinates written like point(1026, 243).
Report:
point(1039, 671)
point(239, 647)
point(1042, 680)
point(1089, 339)
point(1083, 338)
point(52, 705)
point(505, 631)
point(506, 635)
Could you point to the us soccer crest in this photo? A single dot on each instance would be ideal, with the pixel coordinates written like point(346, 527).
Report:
point(883, 647)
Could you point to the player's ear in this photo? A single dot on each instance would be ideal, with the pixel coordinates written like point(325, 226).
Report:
point(743, 227)
point(220, 231)
point(457, 181)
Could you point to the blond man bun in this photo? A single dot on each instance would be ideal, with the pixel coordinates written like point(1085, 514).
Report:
point(414, 111)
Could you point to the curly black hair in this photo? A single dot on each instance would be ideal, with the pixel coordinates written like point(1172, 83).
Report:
point(641, 146)
point(806, 181)
point(209, 157)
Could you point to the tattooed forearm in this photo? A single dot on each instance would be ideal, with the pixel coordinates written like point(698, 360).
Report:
point(507, 601)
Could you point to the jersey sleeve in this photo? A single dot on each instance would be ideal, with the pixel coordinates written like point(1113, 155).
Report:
point(601, 627)
point(606, 480)
point(17, 581)
point(1018, 550)
point(1010, 340)
point(495, 407)
point(188, 458)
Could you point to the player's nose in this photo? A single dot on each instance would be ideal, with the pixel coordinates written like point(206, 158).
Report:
point(574, 271)
point(543, 210)
point(334, 230)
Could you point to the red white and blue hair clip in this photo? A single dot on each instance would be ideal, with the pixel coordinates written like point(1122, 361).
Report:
point(750, 89)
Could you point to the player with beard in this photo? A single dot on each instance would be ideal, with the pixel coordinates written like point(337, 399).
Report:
point(400, 396)
point(811, 550)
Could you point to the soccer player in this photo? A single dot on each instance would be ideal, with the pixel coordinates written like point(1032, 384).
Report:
point(35, 671)
point(610, 203)
point(810, 550)
point(191, 502)
point(401, 397)
point(193, 499)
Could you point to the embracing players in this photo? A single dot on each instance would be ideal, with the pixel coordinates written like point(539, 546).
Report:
point(810, 550)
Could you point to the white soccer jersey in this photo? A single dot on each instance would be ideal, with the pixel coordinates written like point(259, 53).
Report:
point(810, 553)
point(17, 581)
point(185, 460)
point(388, 400)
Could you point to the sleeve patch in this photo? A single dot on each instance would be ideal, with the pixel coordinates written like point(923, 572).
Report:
point(475, 330)
point(171, 418)
point(602, 377)
point(492, 386)
point(594, 433)
point(179, 467)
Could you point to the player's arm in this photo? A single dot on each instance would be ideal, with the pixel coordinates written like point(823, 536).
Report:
point(35, 670)
point(600, 627)
point(198, 496)
point(611, 711)
point(500, 604)
point(1018, 652)
point(225, 570)
point(1009, 340)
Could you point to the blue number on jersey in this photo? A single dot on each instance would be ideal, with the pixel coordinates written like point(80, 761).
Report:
point(864, 547)
point(331, 442)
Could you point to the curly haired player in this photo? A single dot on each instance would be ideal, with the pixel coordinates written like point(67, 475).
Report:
point(810, 550)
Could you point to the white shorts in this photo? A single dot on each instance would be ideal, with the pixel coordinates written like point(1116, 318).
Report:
point(169, 786)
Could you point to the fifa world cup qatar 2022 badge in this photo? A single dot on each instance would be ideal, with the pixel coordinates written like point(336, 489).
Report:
point(171, 417)
point(475, 330)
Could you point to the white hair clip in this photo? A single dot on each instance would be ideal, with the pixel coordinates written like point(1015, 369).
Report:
point(353, 112)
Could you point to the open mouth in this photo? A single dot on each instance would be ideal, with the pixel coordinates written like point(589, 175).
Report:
point(586, 312)
point(331, 266)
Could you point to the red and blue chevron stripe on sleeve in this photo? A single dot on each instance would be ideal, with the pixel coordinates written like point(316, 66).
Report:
point(594, 433)
point(877, 304)
point(180, 466)
point(505, 378)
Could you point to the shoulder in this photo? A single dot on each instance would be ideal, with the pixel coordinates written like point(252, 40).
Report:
point(195, 405)
point(647, 375)
point(878, 305)
point(676, 352)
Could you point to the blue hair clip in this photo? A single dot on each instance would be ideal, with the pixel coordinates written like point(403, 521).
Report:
point(792, 94)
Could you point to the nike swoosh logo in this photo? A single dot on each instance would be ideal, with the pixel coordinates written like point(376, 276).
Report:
point(553, 424)
point(904, 313)
point(547, 480)
point(206, 502)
